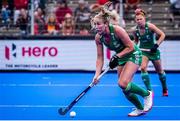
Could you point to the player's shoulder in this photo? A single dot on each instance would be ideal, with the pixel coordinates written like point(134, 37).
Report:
point(150, 25)
point(118, 29)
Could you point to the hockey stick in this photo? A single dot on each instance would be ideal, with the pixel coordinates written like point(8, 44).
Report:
point(65, 110)
point(146, 50)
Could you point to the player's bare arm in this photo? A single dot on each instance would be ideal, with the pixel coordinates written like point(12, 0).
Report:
point(100, 55)
point(159, 32)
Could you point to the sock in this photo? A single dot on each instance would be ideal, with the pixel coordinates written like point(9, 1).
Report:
point(146, 80)
point(162, 78)
point(133, 88)
point(133, 99)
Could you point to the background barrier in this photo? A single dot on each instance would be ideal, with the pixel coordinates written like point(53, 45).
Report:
point(69, 54)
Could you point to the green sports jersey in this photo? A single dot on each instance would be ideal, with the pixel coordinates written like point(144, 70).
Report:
point(146, 40)
point(117, 45)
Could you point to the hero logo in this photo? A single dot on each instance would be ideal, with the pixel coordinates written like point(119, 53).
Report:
point(7, 51)
point(39, 52)
point(31, 51)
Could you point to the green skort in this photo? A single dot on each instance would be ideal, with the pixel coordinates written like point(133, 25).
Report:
point(135, 57)
point(152, 56)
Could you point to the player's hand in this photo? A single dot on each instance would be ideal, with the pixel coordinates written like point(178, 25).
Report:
point(113, 62)
point(95, 80)
point(154, 48)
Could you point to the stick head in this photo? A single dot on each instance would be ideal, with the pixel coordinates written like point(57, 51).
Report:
point(61, 111)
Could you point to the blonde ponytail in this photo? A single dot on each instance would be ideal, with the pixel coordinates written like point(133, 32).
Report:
point(104, 14)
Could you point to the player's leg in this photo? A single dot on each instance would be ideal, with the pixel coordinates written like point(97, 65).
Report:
point(144, 73)
point(148, 100)
point(130, 96)
point(162, 76)
point(130, 89)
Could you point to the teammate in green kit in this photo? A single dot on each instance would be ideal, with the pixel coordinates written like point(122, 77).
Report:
point(127, 59)
point(145, 35)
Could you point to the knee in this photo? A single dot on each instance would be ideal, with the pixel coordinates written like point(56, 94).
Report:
point(143, 68)
point(123, 89)
point(127, 93)
point(122, 84)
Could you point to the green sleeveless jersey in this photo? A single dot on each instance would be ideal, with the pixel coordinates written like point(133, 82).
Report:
point(116, 44)
point(148, 39)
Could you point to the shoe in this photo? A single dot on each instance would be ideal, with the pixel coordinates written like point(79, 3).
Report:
point(165, 92)
point(136, 112)
point(148, 101)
